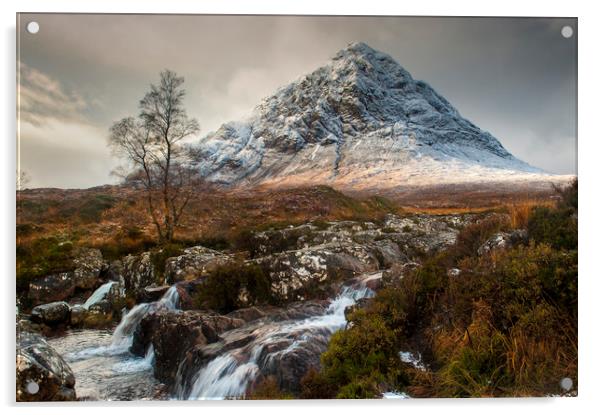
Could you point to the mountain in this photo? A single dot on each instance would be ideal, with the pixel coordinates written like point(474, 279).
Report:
point(359, 123)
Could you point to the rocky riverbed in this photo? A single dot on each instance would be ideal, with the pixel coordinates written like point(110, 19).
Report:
point(166, 347)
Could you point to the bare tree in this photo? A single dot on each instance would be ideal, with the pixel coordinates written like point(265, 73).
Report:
point(156, 159)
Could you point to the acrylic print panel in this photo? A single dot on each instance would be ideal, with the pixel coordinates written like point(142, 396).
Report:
point(271, 207)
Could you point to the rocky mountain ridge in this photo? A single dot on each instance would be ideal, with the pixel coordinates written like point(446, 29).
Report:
point(359, 123)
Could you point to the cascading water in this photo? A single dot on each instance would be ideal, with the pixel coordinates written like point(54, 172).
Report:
point(124, 332)
point(229, 374)
point(103, 366)
point(99, 294)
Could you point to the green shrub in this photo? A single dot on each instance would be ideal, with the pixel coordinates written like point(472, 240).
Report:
point(568, 196)
point(363, 357)
point(315, 386)
point(320, 224)
point(226, 287)
point(91, 209)
point(556, 227)
point(216, 242)
point(277, 240)
point(42, 257)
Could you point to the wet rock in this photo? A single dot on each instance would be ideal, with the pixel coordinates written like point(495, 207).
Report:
point(172, 334)
point(51, 314)
point(252, 313)
point(42, 374)
point(78, 314)
point(99, 315)
point(151, 294)
point(196, 262)
point(374, 282)
point(138, 272)
point(291, 366)
point(55, 287)
point(274, 344)
point(503, 240)
point(89, 265)
point(186, 293)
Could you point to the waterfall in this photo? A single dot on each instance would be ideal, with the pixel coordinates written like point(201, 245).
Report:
point(229, 374)
point(99, 294)
point(124, 333)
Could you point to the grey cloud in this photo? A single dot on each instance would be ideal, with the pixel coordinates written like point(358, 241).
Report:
point(42, 98)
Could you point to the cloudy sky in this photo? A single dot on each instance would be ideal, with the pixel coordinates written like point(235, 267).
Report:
point(515, 78)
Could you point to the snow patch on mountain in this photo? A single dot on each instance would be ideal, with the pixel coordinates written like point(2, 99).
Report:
point(359, 123)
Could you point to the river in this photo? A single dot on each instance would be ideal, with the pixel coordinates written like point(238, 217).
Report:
point(105, 369)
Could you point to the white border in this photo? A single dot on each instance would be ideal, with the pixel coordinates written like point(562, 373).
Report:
point(590, 211)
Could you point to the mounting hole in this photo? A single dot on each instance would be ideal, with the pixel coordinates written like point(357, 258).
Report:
point(32, 387)
point(566, 384)
point(566, 32)
point(33, 27)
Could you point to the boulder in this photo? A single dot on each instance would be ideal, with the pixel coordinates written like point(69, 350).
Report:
point(51, 314)
point(42, 374)
point(55, 287)
point(310, 273)
point(99, 315)
point(138, 272)
point(173, 333)
point(419, 234)
point(196, 262)
point(388, 253)
point(89, 265)
point(503, 240)
point(151, 294)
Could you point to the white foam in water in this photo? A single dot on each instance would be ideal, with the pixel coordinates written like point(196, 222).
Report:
point(228, 375)
point(124, 332)
point(395, 395)
point(99, 294)
point(223, 376)
point(136, 364)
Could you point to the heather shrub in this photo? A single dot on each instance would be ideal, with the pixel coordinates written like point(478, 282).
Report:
point(268, 389)
point(232, 286)
point(556, 227)
point(363, 357)
point(41, 257)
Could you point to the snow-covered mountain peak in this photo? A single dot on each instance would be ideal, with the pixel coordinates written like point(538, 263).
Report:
point(359, 122)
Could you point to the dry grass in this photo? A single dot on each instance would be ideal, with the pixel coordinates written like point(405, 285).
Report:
point(520, 212)
point(215, 218)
